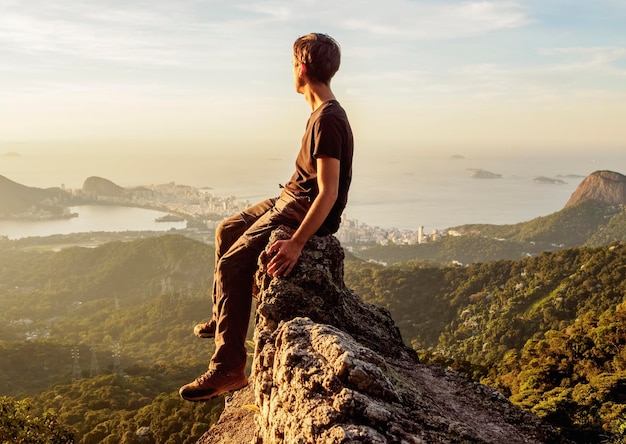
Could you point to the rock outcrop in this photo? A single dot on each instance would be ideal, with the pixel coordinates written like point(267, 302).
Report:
point(329, 368)
point(603, 186)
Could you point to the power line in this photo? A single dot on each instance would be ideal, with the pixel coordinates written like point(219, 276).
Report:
point(76, 371)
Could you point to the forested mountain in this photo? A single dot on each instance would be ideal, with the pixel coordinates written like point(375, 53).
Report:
point(548, 331)
point(17, 198)
point(595, 215)
point(589, 223)
point(103, 335)
point(119, 272)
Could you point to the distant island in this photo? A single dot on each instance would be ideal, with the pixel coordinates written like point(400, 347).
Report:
point(543, 179)
point(457, 157)
point(11, 154)
point(484, 174)
point(570, 176)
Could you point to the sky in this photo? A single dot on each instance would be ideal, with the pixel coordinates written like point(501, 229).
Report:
point(417, 76)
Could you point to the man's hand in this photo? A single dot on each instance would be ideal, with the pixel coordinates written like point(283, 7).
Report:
point(287, 252)
point(285, 256)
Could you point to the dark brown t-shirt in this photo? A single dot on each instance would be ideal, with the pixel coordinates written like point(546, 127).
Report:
point(328, 133)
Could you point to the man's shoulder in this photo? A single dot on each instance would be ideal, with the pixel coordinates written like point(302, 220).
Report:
point(332, 110)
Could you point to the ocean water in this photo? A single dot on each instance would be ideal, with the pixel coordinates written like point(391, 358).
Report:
point(90, 218)
point(390, 190)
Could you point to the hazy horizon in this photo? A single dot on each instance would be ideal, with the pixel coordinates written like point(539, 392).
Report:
point(41, 166)
point(390, 189)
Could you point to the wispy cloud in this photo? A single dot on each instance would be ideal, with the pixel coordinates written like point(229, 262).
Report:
point(155, 33)
point(565, 73)
point(184, 55)
point(161, 33)
point(402, 18)
point(594, 57)
point(440, 20)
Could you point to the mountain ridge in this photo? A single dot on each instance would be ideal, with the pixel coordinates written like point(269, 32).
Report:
point(17, 198)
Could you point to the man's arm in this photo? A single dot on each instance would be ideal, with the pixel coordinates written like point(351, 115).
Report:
point(287, 252)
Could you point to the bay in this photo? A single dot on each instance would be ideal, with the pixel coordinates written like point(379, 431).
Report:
point(91, 218)
point(391, 189)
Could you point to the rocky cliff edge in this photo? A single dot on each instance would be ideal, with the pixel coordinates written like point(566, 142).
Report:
point(603, 186)
point(329, 368)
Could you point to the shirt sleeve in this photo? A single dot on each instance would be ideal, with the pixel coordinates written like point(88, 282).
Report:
point(327, 137)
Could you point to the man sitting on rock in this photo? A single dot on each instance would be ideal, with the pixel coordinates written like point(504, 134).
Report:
point(311, 203)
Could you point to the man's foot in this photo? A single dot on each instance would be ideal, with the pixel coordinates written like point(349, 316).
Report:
point(212, 384)
point(206, 330)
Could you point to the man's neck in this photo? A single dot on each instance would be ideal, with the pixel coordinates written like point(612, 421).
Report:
point(317, 93)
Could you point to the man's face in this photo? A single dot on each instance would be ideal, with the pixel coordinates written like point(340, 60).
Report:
point(298, 79)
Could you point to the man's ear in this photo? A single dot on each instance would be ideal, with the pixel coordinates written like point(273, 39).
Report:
point(302, 69)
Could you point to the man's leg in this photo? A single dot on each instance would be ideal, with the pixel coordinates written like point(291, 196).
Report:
point(226, 234)
point(233, 301)
point(234, 276)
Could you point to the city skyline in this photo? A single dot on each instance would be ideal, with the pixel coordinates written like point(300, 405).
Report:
point(469, 77)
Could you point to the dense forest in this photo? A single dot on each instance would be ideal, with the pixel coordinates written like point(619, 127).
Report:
point(96, 341)
point(547, 331)
point(100, 338)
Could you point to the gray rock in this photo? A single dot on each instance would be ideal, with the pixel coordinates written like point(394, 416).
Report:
point(329, 368)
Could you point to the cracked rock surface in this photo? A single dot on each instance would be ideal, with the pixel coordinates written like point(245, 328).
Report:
point(329, 368)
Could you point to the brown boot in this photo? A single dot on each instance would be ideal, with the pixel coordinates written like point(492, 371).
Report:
point(206, 330)
point(212, 384)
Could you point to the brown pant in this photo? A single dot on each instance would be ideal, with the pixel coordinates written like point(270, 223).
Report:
point(239, 241)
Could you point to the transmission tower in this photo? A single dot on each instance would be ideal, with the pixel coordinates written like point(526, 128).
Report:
point(117, 366)
point(94, 370)
point(166, 284)
point(76, 372)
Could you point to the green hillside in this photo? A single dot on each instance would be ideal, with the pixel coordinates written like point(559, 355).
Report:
point(548, 331)
point(17, 198)
point(588, 223)
point(53, 283)
point(103, 336)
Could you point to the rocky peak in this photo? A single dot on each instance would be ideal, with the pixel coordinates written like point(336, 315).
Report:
point(329, 368)
point(604, 186)
point(102, 187)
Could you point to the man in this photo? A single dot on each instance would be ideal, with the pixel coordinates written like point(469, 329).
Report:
point(311, 203)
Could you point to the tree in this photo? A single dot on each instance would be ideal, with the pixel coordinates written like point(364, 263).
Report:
point(19, 426)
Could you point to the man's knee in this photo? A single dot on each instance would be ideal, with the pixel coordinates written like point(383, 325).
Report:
point(239, 259)
point(228, 232)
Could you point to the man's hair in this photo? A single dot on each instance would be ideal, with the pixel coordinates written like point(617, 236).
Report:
point(321, 55)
